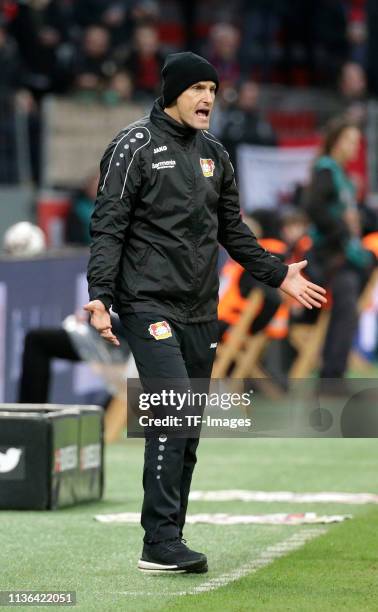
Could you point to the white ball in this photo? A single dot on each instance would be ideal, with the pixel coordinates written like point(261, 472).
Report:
point(24, 239)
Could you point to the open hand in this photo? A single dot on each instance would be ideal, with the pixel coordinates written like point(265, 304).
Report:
point(298, 287)
point(100, 319)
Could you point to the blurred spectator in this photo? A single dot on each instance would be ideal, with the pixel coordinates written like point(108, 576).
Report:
point(330, 39)
point(337, 259)
point(372, 47)
point(226, 98)
point(77, 226)
point(353, 81)
point(119, 88)
point(357, 31)
point(353, 89)
point(145, 11)
point(40, 38)
point(94, 63)
point(244, 123)
point(41, 68)
point(10, 63)
point(145, 60)
point(58, 15)
point(115, 19)
point(224, 52)
point(108, 13)
point(294, 225)
point(294, 233)
point(260, 47)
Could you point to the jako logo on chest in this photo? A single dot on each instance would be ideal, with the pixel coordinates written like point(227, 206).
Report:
point(160, 149)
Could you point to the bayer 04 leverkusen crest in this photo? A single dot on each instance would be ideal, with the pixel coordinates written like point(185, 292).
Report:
point(208, 166)
point(160, 330)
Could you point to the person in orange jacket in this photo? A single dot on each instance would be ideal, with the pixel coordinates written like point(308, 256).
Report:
point(236, 285)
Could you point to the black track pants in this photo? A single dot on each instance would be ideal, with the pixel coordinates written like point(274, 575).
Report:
point(168, 461)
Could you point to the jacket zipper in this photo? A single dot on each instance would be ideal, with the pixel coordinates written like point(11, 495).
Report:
point(194, 241)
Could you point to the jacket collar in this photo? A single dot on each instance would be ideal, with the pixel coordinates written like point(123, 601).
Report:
point(164, 122)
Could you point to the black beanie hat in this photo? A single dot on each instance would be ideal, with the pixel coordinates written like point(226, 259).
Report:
point(181, 70)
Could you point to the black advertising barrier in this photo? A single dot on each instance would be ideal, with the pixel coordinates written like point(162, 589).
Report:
point(51, 456)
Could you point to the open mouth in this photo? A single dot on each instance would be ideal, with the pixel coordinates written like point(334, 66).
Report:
point(202, 112)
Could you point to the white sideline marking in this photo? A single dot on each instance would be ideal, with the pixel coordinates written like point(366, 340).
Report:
point(284, 496)
point(220, 518)
point(267, 556)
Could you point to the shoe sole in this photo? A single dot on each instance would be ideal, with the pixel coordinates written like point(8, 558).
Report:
point(198, 567)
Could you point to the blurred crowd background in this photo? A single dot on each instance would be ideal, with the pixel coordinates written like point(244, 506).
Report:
point(111, 53)
point(74, 72)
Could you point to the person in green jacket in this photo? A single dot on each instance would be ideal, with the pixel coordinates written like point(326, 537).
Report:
point(337, 258)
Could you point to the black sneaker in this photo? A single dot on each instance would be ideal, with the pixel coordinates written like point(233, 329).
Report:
point(171, 556)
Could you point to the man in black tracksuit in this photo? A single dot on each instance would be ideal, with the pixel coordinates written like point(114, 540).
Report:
point(167, 196)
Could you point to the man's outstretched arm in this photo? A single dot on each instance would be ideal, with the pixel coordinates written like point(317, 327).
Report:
point(242, 245)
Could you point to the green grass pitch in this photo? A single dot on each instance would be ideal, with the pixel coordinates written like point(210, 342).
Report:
point(338, 570)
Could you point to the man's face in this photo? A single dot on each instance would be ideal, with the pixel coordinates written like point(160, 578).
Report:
point(193, 107)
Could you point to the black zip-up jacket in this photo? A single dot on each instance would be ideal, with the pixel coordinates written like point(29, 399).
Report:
point(167, 196)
